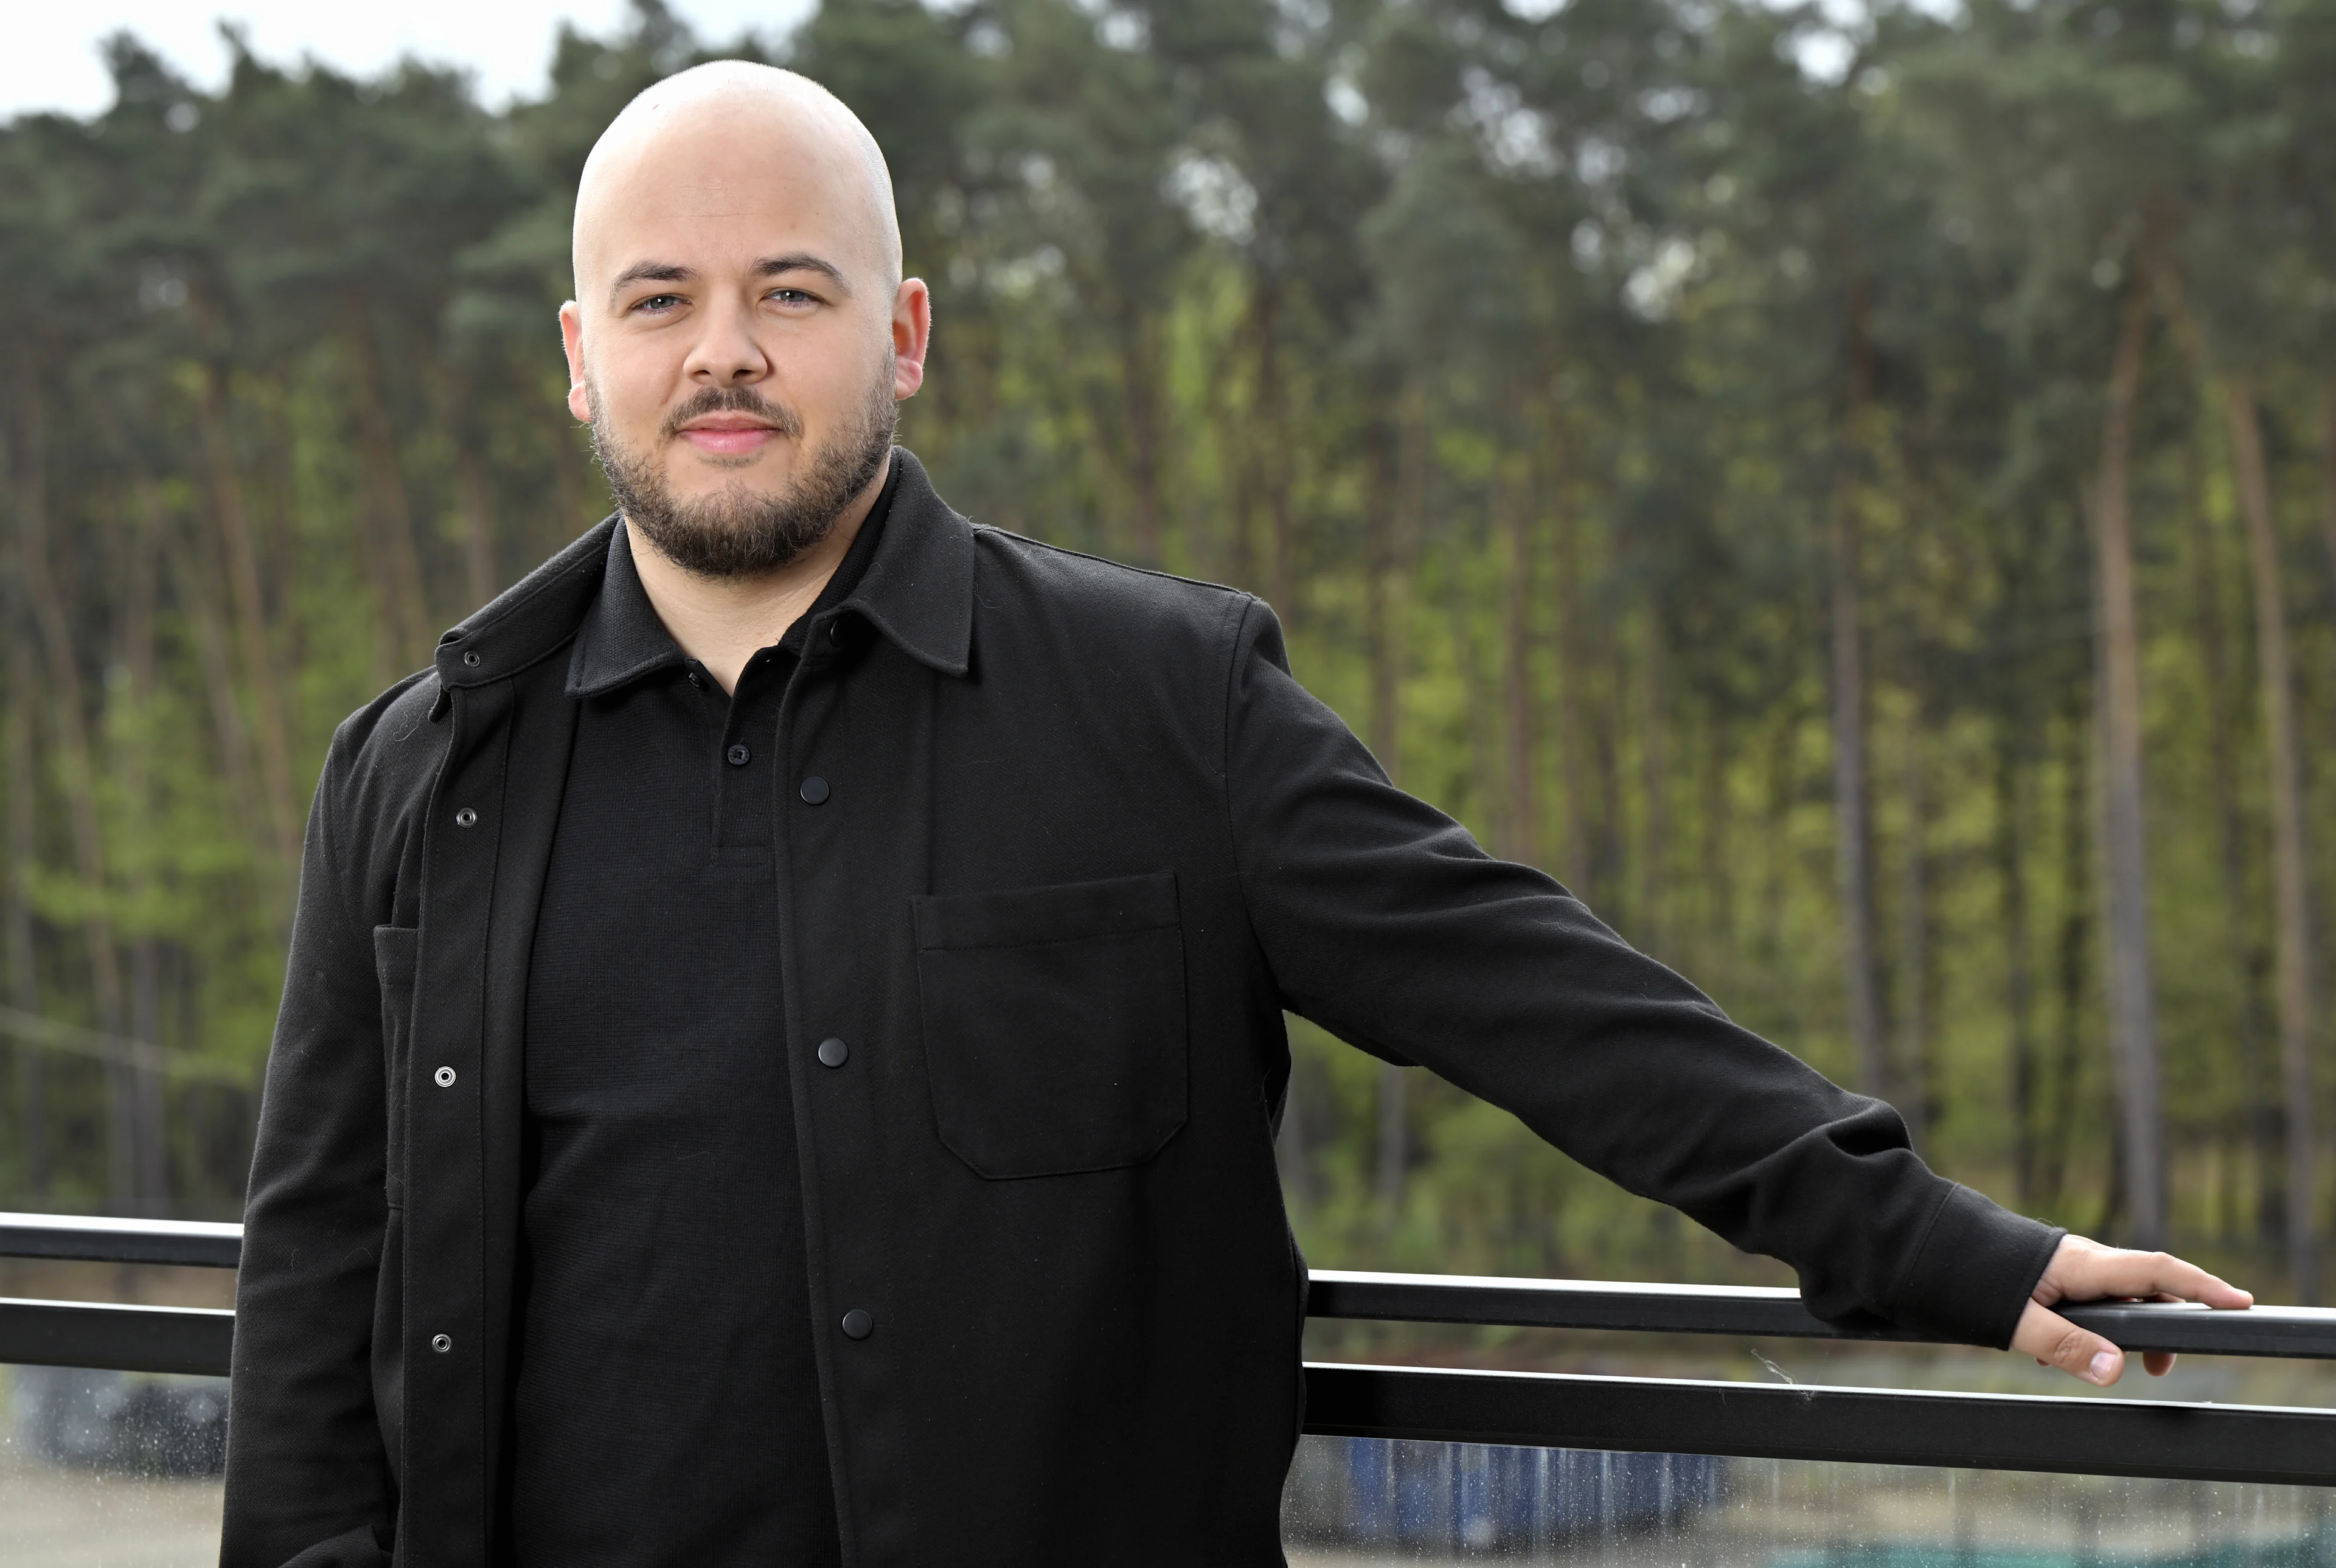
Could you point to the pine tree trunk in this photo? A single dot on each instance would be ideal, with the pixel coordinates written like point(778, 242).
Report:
point(2249, 1028)
point(62, 684)
point(1271, 439)
point(2072, 949)
point(198, 600)
point(480, 576)
point(2291, 893)
point(405, 620)
point(2018, 970)
point(1394, 1141)
point(1716, 817)
point(1572, 722)
point(1292, 1154)
point(24, 977)
point(1140, 391)
point(1653, 899)
point(1480, 707)
point(1914, 1096)
point(148, 1133)
point(241, 556)
point(1853, 815)
point(1520, 702)
point(2132, 1009)
point(569, 467)
point(1396, 517)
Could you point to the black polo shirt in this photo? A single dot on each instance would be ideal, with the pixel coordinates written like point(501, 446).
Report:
point(665, 1405)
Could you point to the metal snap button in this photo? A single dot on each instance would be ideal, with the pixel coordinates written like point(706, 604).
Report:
point(833, 1053)
point(442, 1343)
point(444, 1077)
point(470, 657)
point(858, 1324)
point(466, 818)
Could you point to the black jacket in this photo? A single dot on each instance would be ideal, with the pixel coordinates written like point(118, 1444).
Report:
point(1083, 838)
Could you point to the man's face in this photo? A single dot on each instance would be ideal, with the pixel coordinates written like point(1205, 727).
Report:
point(738, 342)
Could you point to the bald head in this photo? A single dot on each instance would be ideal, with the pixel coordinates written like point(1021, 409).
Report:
point(729, 134)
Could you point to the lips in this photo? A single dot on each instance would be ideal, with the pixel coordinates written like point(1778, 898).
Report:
point(728, 435)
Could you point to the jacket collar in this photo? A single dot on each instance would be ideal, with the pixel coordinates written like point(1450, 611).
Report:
point(917, 591)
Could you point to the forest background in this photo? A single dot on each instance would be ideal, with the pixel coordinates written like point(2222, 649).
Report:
point(1853, 492)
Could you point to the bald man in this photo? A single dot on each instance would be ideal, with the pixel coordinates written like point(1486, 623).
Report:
point(782, 1039)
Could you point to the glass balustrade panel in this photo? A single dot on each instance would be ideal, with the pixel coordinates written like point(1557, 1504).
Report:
point(1356, 1502)
point(109, 1468)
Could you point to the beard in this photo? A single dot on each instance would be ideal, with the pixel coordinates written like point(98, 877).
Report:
point(738, 532)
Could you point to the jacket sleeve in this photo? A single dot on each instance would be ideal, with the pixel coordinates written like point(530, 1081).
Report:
point(1383, 922)
point(308, 1480)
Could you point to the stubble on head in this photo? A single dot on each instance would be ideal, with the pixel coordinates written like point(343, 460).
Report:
point(738, 532)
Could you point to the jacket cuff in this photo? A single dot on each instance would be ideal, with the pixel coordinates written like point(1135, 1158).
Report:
point(1975, 1271)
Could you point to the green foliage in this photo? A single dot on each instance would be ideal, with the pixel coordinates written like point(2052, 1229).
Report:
point(1520, 361)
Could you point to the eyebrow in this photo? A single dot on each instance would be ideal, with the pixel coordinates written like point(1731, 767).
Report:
point(765, 267)
point(801, 261)
point(648, 272)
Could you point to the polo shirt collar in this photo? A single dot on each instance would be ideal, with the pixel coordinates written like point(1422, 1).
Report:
point(918, 589)
point(621, 638)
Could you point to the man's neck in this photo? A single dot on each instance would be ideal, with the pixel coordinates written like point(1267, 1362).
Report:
point(723, 623)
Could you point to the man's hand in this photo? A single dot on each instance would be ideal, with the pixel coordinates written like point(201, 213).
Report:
point(2085, 1270)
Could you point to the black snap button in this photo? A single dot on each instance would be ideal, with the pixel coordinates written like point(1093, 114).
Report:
point(837, 632)
point(833, 1053)
point(466, 818)
point(814, 791)
point(858, 1324)
point(470, 657)
point(442, 1343)
point(739, 755)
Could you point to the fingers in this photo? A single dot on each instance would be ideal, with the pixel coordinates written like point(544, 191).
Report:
point(2055, 1341)
point(2158, 1363)
point(2085, 1270)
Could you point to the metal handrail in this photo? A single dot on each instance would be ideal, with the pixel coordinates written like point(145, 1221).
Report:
point(98, 1239)
point(2091, 1436)
point(1747, 1311)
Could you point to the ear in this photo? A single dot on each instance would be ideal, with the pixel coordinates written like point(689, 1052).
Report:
point(912, 331)
point(571, 339)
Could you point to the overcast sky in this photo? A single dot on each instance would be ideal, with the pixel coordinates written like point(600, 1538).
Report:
point(51, 58)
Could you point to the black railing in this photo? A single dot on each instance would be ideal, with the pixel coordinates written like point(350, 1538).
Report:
point(2086, 1435)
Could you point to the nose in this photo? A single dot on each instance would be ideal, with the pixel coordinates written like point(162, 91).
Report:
point(725, 353)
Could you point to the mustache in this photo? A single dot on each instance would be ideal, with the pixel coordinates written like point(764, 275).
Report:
point(708, 399)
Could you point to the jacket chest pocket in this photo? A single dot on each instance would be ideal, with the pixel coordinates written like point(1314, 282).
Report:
point(1054, 1023)
point(393, 950)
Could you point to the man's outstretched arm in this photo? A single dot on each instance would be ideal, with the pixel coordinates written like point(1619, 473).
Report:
point(1383, 921)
